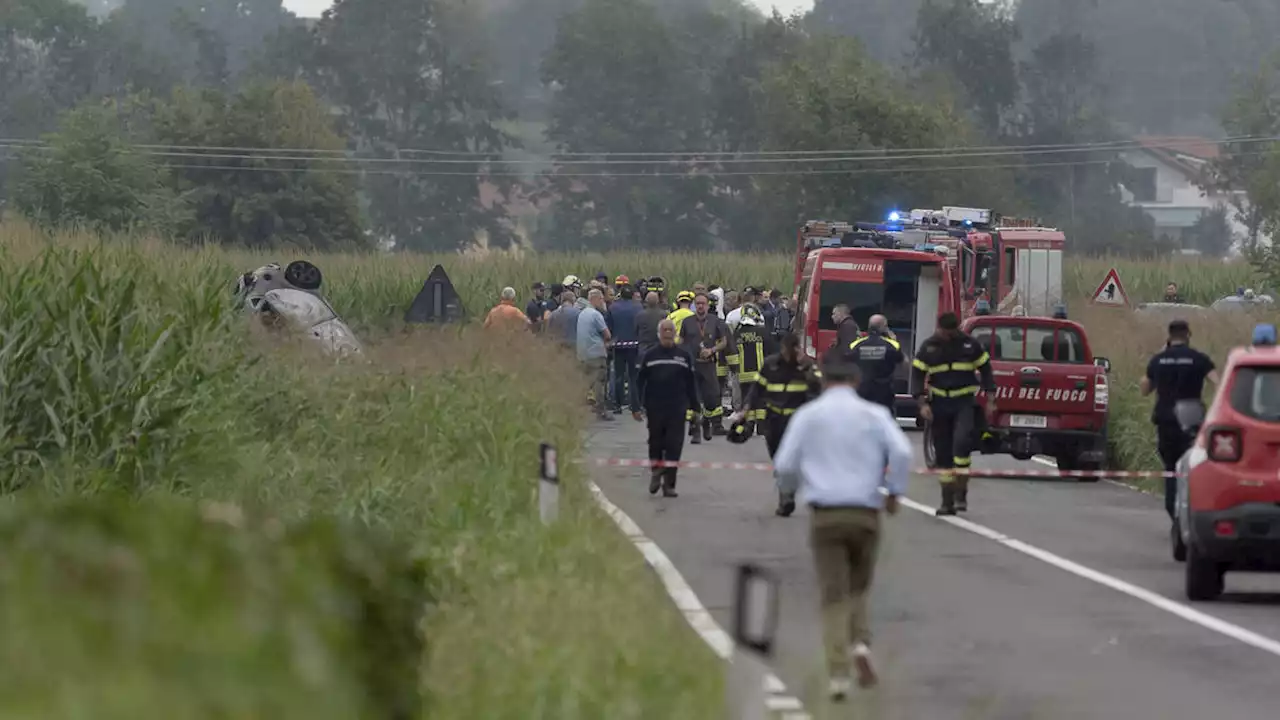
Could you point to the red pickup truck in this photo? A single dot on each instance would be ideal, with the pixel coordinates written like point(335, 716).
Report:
point(1051, 392)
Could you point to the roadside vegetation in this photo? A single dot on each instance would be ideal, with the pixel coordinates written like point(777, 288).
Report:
point(198, 520)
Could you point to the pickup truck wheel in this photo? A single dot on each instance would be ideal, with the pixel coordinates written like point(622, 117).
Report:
point(930, 456)
point(1204, 577)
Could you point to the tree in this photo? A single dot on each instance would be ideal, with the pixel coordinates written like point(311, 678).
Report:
point(627, 83)
point(884, 27)
point(88, 176)
point(206, 42)
point(1211, 234)
point(405, 81)
point(831, 95)
point(247, 196)
point(1248, 170)
point(971, 43)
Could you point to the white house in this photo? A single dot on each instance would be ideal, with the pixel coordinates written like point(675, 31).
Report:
point(1165, 180)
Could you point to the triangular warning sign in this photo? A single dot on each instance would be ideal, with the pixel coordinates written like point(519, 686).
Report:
point(437, 302)
point(1111, 291)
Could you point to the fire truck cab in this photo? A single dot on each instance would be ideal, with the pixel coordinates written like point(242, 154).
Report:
point(1010, 262)
point(874, 269)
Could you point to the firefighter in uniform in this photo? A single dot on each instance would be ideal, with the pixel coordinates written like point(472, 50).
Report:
point(878, 356)
point(683, 300)
point(754, 345)
point(668, 389)
point(704, 336)
point(784, 383)
point(943, 382)
point(727, 360)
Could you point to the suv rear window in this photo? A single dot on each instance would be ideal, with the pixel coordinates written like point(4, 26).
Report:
point(1032, 343)
point(1256, 393)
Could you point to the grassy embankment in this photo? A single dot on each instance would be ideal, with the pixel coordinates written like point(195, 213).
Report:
point(198, 524)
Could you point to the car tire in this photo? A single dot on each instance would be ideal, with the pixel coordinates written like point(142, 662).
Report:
point(1175, 542)
point(930, 455)
point(1204, 576)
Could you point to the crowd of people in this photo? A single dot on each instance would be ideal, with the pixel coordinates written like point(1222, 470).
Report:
point(610, 325)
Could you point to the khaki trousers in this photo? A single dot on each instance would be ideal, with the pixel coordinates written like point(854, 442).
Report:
point(844, 542)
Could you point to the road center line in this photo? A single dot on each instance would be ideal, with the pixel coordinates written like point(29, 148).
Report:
point(695, 613)
point(1156, 600)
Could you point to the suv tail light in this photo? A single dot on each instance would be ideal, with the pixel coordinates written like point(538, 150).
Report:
point(1225, 444)
point(1101, 392)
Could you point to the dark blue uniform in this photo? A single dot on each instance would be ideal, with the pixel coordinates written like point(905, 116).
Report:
point(878, 357)
point(668, 388)
point(1176, 373)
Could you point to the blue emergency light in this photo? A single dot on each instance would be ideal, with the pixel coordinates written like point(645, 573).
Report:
point(894, 217)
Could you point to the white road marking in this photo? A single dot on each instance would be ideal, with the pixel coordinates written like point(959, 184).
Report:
point(1054, 464)
point(1204, 620)
point(695, 613)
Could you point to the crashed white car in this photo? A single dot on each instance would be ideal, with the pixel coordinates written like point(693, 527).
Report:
point(292, 294)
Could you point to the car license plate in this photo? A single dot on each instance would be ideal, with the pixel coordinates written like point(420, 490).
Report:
point(1028, 421)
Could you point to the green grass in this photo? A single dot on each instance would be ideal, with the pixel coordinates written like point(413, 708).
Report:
point(127, 379)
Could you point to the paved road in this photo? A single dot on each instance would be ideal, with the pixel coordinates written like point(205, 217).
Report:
point(967, 627)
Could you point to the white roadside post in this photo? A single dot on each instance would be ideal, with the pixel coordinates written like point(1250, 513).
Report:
point(548, 485)
point(755, 624)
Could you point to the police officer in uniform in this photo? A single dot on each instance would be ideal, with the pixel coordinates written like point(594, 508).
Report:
point(704, 336)
point(785, 382)
point(878, 356)
point(668, 389)
point(942, 381)
point(1175, 374)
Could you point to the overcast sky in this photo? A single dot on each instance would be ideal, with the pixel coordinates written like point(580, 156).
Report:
point(313, 8)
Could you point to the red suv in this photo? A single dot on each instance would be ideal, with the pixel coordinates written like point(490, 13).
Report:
point(1228, 499)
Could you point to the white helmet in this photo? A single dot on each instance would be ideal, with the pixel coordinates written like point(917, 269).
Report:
point(571, 281)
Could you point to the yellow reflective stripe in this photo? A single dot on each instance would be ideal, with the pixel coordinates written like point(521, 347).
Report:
point(962, 462)
point(958, 392)
point(857, 342)
point(983, 359)
point(762, 382)
point(732, 359)
point(773, 387)
point(817, 374)
point(918, 364)
point(963, 366)
point(946, 477)
point(747, 377)
point(797, 387)
point(896, 345)
point(781, 411)
point(715, 412)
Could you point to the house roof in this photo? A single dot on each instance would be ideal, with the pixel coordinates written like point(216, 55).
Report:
point(1186, 153)
point(1199, 148)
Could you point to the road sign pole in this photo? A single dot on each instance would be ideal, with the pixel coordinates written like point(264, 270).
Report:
point(755, 623)
point(548, 486)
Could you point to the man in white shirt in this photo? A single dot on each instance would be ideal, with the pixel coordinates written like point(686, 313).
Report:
point(835, 453)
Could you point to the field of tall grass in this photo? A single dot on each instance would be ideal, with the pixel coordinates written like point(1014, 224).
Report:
point(198, 520)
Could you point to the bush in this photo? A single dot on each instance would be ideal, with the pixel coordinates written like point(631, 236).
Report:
point(113, 609)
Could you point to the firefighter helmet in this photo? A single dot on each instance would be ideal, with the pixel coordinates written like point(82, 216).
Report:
point(685, 296)
point(571, 282)
point(751, 315)
point(739, 433)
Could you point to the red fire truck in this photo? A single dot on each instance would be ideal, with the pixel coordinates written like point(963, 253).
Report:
point(874, 269)
point(1010, 262)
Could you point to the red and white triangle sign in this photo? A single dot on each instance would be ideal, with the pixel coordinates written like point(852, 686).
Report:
point(1111, 291)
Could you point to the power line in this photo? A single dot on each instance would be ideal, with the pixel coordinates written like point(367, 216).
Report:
point(1003, 152)
point(688, 176)
point(733, 156)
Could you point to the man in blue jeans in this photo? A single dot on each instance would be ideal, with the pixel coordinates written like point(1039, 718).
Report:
point(622, 325)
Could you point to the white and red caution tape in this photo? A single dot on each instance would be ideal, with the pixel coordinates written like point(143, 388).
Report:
point(973, 472)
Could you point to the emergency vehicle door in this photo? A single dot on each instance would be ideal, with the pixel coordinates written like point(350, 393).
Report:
point(1039, 281)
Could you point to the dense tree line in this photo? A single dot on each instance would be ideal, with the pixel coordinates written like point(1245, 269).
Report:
point(636, 123)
